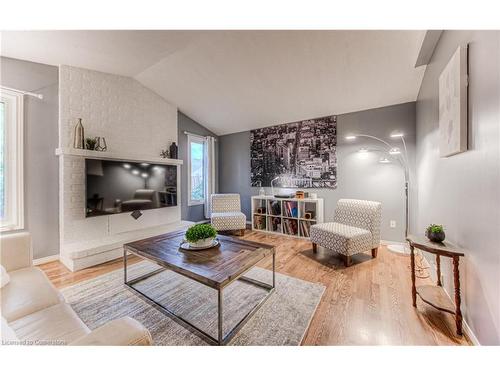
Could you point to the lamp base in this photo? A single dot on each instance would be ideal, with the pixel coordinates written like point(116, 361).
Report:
point(400, 249)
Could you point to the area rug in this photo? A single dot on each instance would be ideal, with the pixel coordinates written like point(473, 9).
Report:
point(282, 320)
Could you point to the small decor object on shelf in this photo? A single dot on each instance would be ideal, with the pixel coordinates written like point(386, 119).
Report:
point(261, 210)
point(435, 233)
point(79, 136)
point(164, 154)
point(299, 194)
point(262, 191)
point(101, 144)
point(259, 222)
point(90, 143)
point(201, 236)
point(309, 215)
point(173, 151)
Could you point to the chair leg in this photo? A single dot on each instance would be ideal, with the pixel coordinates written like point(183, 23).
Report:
point(242, 232)
point(315, 248)
point(374, 252)
point(347, 260)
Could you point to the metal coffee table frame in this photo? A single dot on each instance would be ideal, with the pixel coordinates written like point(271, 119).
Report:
point(221, 339)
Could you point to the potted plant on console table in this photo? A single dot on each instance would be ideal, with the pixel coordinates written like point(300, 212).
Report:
point(435, 233)
point(201, 235)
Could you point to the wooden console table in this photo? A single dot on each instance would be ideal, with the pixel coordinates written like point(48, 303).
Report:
point(431, 294)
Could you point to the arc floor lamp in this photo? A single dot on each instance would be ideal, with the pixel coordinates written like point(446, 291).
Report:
point(395, 153)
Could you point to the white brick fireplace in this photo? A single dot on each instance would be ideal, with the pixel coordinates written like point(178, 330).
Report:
point(137, 125)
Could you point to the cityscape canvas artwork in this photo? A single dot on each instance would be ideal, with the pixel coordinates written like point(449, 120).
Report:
point(303, 150)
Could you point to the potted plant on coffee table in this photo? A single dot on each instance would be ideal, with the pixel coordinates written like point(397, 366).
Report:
point(201, 235)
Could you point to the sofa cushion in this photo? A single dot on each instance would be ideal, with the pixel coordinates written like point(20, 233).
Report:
point(8, 334)
point(341, 238)
point(55, 325)
point(4, 277)
point(28, 291)
point(228, 220)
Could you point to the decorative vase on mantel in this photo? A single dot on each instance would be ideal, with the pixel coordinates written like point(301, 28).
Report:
point(79, 135)
point(173, 151)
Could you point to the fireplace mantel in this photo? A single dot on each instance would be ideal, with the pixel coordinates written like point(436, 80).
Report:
point(116, 156)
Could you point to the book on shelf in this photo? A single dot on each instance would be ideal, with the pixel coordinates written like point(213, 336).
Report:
point(275, 224)
point(305, 228)
point(275, 208)
point(290, 226)
point(291, 209)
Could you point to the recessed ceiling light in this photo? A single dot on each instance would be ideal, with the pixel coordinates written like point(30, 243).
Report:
point(350, 137)
point(144, 164)
point(384, 161)
point(394, 151)
point(363, 150)
point(135, 171)
point(144, 175)
point(126, 166)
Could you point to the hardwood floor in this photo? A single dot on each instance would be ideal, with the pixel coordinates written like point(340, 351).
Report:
point(368, 303)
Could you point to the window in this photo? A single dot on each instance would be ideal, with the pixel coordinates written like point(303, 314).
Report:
point(11, 160)
point(196, 170)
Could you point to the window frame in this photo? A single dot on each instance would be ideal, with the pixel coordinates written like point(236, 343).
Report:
point(201, 140)
point(14, 163)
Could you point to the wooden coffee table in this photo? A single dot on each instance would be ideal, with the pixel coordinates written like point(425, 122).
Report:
point(216, 268)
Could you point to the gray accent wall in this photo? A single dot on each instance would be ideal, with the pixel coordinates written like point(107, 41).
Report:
point(41, 168)
point(359, 175)
point(184, 123)
point(462, 192)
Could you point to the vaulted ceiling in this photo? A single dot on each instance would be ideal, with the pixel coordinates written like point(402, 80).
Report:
point(231, 81)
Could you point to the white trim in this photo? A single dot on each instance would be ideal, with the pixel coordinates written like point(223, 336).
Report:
point(203, 221)
point(466, 328)
point(209, 171)
point(14, 138)
point(51, 258)
point(29, 93)
point(201, 140)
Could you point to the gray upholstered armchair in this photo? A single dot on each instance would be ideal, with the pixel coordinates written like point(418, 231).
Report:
point(226, 213)
point(356, 229)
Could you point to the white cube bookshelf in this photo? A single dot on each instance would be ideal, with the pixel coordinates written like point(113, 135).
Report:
point(286, 216)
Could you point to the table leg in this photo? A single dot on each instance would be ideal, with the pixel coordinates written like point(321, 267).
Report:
point(413, 287)
point(438, 270)
point(458, 312)
point(221, 333)
point(274, 269)
point(124, 265)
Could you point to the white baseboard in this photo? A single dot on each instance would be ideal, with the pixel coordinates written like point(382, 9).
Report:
point(465, 326)
point(203, 221)
point(51, 258)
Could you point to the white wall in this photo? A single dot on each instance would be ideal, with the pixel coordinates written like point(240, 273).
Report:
point(462, 192)
point(40, 139)
point(134, 120)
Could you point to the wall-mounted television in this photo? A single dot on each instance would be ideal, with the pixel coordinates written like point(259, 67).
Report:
point(113, 187)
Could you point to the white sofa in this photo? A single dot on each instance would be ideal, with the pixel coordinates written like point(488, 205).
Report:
point(33, 312)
